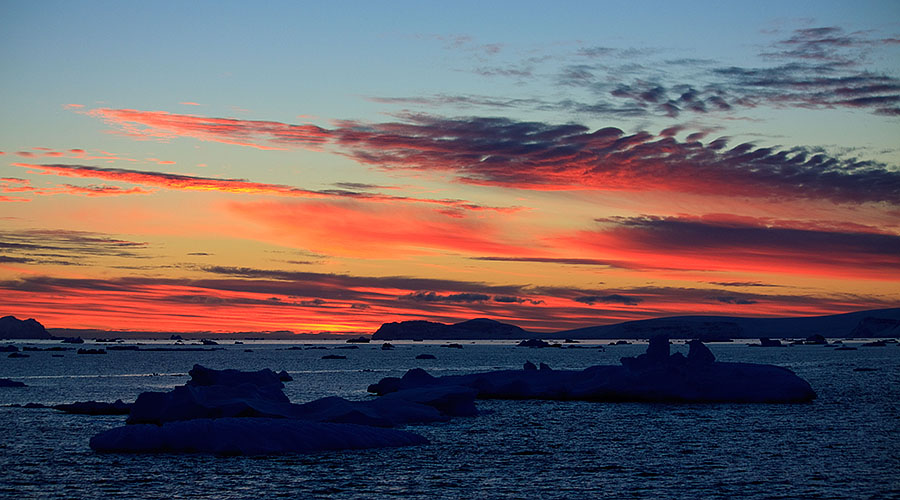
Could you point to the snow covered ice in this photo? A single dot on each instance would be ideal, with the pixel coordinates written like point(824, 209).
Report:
point(655, 376)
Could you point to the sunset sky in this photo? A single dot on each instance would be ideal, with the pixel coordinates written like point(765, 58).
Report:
point(330, 166)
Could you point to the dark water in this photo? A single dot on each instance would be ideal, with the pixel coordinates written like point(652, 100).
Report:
point(843, 445)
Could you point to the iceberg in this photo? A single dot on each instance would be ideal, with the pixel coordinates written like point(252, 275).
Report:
point(656, 376)
point(220, 411)
point(233, 393)
point(248, 436)
point(95, 408)
point(5, 382)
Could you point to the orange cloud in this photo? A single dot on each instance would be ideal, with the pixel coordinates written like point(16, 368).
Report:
point(195, 183)
point(163, 125)
point(257, 300)
point(102, 190)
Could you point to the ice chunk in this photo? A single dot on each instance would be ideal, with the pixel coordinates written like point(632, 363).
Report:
point(232, 393)
point(248, 436)
point(699, 354)
point(95, 408)
point(654, 377)
point(449, 400)
point(202, 376)
point(234, 412)
point(536, 343)
point(215, 401)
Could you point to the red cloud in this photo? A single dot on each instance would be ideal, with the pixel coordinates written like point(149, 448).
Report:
point(189, 182)
point(12, 199)
point(163, 125)
point(14, 185)
point(102, 190)
point(742, 245)
point(248, 299)
point(534, 155)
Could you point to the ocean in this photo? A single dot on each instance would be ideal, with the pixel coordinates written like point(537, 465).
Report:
point(842, 445)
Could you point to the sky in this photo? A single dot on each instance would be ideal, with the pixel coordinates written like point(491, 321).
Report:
point(328, 167)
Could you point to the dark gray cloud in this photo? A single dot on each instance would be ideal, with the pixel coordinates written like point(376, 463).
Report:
point(516, 300)
point(453, 297)
point(467, 101)
point(553, 260)
point(614, 298)
point(817, 68)
point(322, 282)
point(668, 233)
point(742, 284)
point(16, 260)
point(829, 44)
point(731, 299)
point(535, 155)
point(357, 186)
point(66, 247)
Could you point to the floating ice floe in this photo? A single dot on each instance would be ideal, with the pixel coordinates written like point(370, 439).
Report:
point(230, 411)
point(95, 408)
point(655, 376)
point(248, 436)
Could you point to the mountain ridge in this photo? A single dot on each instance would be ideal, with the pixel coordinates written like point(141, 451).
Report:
point(859, 324)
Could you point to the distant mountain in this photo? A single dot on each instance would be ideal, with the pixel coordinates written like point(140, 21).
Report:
point(860, 324)
point(874, 323)
point(474, 329)
point(13, 328)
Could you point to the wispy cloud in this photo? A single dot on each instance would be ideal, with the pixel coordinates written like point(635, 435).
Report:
point(716, 243)
point(249, 298)
point(812, 68)
point(66, 247)
point(240, 186)
point(535, 155)
point(829, 44)
point(15, 185)
point(818, 68)
point(453, 297)
point(614, 298)
point(163, 125)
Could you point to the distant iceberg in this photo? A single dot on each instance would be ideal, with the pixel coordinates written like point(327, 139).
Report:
point(655, 376)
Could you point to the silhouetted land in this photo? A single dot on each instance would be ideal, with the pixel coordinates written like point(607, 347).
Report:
point(877, 323)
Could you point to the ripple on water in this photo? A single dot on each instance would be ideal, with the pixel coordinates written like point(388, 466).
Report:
point(844, 441)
